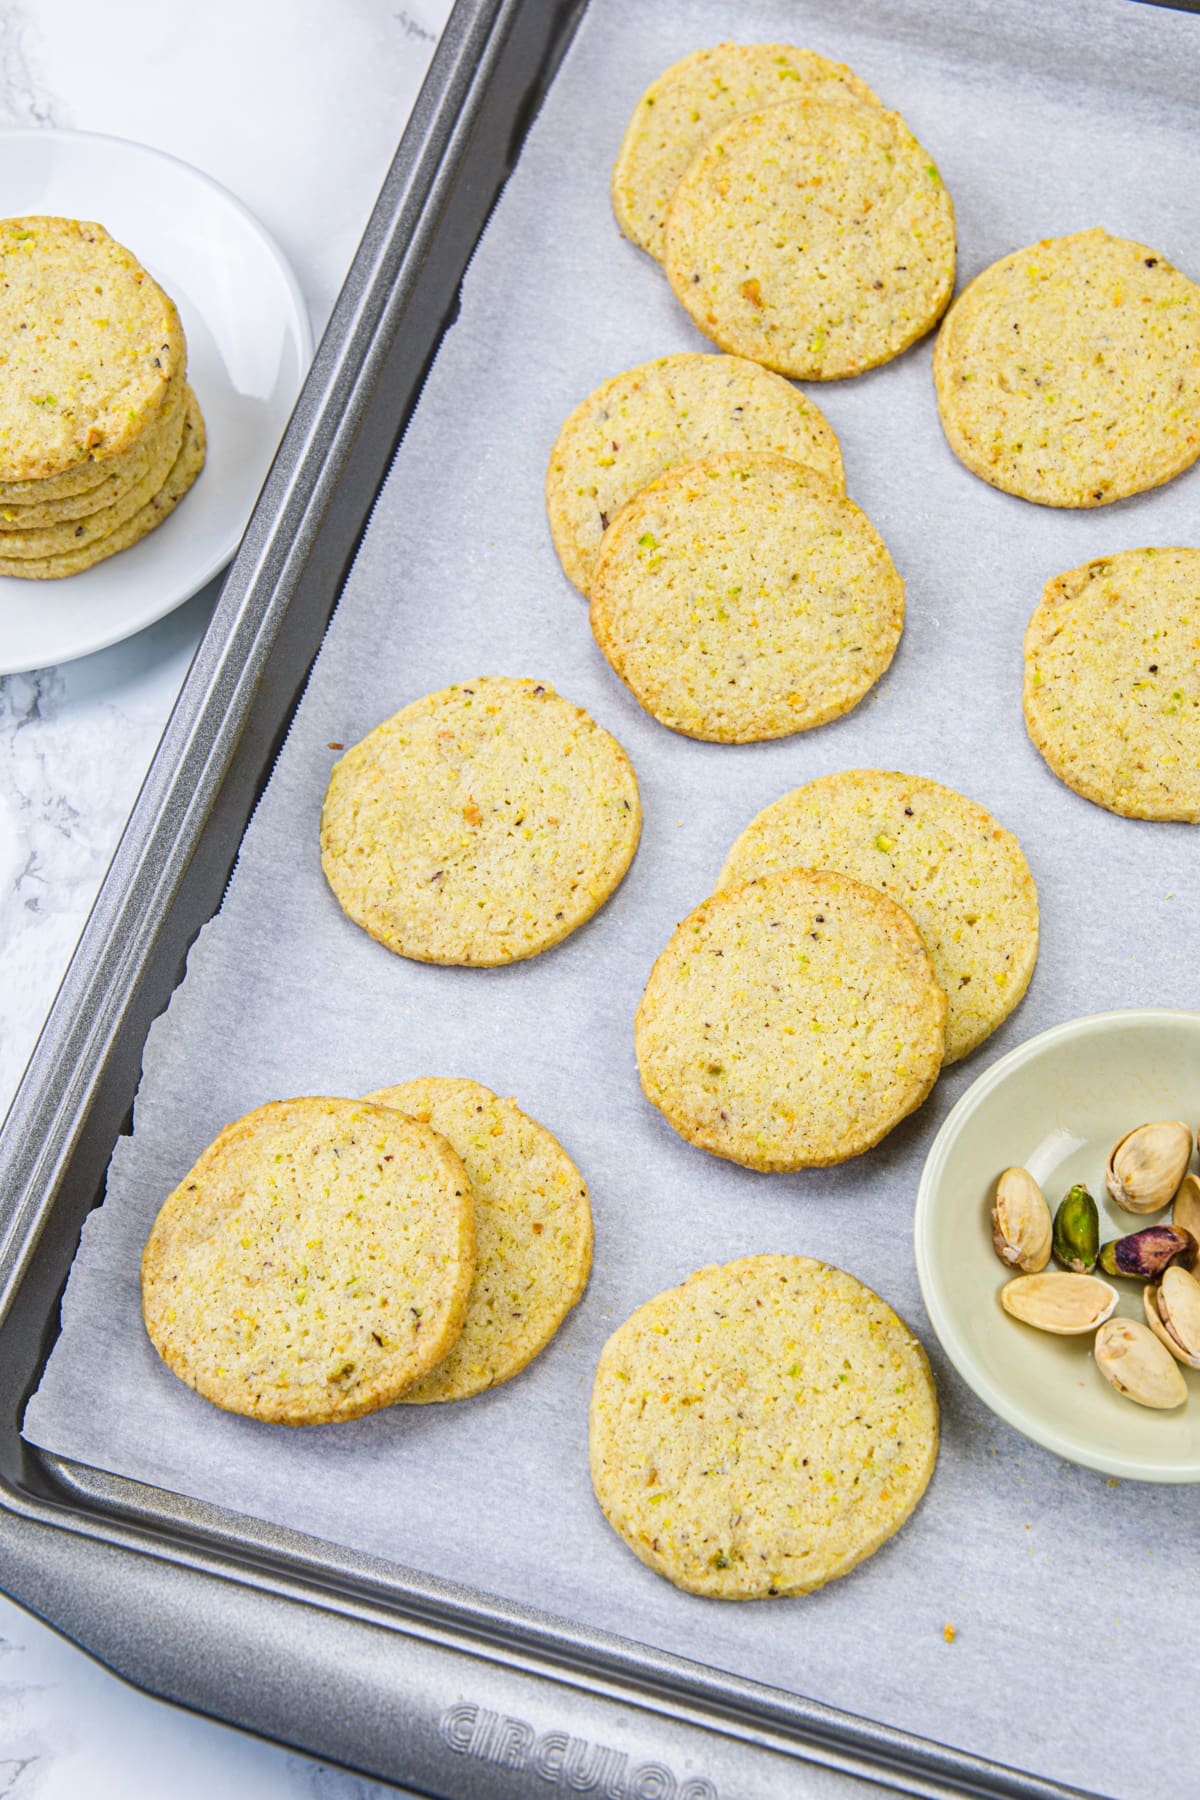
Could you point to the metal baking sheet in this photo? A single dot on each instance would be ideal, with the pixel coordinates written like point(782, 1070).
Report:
point(283, 995)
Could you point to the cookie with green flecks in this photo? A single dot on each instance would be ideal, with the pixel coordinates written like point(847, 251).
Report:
point(46, 503)
point(481, 824)
point(695, 97)
point(743, 598)
point(1069, 372)
point(960, 876)
point(816, 239)
point(637, 425)
point(791, 1022)
point(314, 1264)
point(762, 1428)
point(533, 1231)
point(1112, 681)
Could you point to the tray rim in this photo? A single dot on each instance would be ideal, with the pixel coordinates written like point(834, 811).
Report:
point(86, 1507)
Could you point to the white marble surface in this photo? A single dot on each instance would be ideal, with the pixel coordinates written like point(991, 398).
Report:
point(296, 105)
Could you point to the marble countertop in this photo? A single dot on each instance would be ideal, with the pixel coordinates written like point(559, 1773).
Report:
point(296, 106)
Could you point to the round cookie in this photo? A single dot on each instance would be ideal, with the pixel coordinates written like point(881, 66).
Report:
point(117, 474)
point(959, 875)
point(1112, 681)
point(1069, 372)
point(791, 1022)
point(314, 1264)
point(533, 1231)
point(183, 472)
point(91, 342)
point(60, 537)
point(742, 598)
point(677, 410)
point(817, 239)
point(481, 824)
point(761, 1429)
point(695, 97)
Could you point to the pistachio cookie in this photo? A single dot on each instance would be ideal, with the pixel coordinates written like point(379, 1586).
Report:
point(180, 477)
point(959, 875)
point(533, 1231)
point(90, 345)
point(1069, 372)
point(1112, 681)
point(314, 1264)
point(761, 1429)
point(791, 1022)
point(817, 239)
point(676, 410)
point(481, 824)
point(698, 95)
point(743, 598)
point(110, 480)
point(56, 537)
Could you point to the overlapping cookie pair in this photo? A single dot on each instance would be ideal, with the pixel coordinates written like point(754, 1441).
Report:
point(866, 929)
point(102, 434)
point(326, 1257)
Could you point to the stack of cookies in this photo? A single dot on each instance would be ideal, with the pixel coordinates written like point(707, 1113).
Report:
point(325, 1258)
point(101, 434)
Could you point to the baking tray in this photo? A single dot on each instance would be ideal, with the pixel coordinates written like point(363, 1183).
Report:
point(383, 1669)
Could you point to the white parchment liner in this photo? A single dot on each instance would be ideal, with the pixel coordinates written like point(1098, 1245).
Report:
point(1067, 1591)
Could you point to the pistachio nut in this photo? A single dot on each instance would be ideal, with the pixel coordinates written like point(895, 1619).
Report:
point(1133, 1361)
point(1173, 1314)
point(1064, 1304)
point(1021, 1222)
point(1077, 1231)
point(1147, 1165)
point(1143, 1255)
point(1185, 1214)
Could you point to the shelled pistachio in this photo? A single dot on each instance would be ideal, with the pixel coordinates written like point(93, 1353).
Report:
point(1143, 1255)
point(1066, 1305)
point(1146, 1166)
point(1132, 1360)
point(1021, 1229)
point(1173, 1314)
point(1077, 1231)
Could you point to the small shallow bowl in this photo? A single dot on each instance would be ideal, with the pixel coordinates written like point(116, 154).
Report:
point(1055, 1106)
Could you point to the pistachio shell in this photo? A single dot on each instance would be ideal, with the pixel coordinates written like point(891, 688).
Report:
point(1147, 1165)
point(1132, 1360)
point(1021, 1222)
point(1173, 1314)
point(1186, 1211)
point(1064, 1304)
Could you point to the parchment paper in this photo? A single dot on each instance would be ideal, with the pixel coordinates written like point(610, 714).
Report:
point(1070, 1594)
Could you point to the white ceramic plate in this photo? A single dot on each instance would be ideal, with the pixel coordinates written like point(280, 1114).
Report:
point(249, 347)
point(1055, 1106)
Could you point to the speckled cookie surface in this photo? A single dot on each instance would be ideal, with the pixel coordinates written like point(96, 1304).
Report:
point(816, 239)
point(791, 1022)
point(1112, 681)
point(744, 598)
point(44, 505)
point(533, 1231)
point(183, 472)
point(695, 97)
point(60, 537)
point(314, 1264)
point(1069, 372)
point(762, 1428)
point(660, 415)
point(90, 342)
point(960, 876)
point(481, 824)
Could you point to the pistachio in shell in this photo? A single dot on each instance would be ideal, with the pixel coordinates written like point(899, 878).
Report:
point(1143, 1255)
point(1132, 1360)
point(1146, 1166)
point(1185, 1214)
point(1173, 1314)
point(1021, 1229)
point(1067, 1305)
point(1077, 1231)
